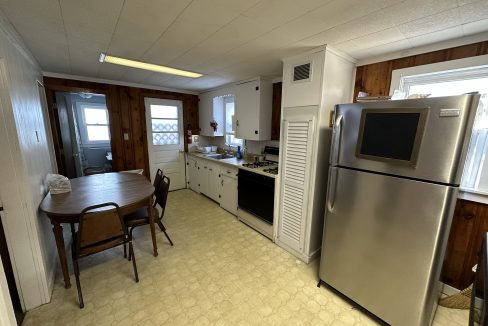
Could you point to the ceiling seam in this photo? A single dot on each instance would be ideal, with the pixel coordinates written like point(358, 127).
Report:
point(159, 37)
point(65, 36)
point(287, 22)
point(336, 26)
point(113, 33)
point(164, 32)
point(215, 32)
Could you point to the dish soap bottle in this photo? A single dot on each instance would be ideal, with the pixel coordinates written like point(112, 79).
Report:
point(239, 153)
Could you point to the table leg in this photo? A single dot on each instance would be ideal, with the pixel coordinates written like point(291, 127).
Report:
point(58, 235)
point(152, 226)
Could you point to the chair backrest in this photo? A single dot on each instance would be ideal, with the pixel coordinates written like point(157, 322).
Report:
point(162, 193)
point(99, 223)
point(157, 179)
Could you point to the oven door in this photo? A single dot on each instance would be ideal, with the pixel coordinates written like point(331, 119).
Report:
point(423, 139)
point(256, 194)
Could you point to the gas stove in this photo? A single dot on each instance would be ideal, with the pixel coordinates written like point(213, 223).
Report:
point(269, 166)
point(258, 164)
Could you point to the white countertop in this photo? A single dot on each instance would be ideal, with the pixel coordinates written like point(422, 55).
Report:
point(233, 162)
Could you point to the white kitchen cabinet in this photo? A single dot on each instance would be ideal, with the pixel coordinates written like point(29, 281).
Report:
point(202, 172)
point(211, 109)
point(228, 189)
point(213, 181)
point(253, 100)
point(192, 168)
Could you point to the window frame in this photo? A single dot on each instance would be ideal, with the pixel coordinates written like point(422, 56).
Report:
point(454, 70)
point(225, 100)
point(148, 102)
point(83, 128)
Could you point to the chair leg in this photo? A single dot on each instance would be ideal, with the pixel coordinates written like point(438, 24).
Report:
point(163, 229)
point(130, 237)
point(125, 251)
point(78, 285)
point(131, 253)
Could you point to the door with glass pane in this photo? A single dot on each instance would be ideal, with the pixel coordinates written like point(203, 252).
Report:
point(164, 124)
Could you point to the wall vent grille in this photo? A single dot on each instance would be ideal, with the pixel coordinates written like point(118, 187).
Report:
point(301, 72)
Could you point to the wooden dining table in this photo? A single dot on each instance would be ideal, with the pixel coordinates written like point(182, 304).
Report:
point(128, 190)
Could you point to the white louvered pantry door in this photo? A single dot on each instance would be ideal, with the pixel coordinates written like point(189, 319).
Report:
point(295, 181)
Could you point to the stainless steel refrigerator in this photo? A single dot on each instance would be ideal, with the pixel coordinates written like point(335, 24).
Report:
point(394, 174)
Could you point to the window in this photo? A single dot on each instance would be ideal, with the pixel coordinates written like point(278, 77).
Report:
point(455, 82)
point(95, 129)
point(230, 138)
point(164, 125)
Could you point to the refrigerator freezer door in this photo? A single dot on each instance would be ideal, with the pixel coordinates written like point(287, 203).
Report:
point(381, 137)
point(384, 240)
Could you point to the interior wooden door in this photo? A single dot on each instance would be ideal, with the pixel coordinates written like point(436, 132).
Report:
point(67, 163)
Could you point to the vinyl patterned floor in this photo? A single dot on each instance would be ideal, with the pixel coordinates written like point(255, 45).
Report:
point(219, 272)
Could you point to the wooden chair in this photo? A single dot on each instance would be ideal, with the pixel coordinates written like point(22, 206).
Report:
point(157, 179)
point(140, 217)
point(100, 228)
point(93, 170)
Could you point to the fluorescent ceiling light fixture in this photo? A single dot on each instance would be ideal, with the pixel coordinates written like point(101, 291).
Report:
point(146, 66)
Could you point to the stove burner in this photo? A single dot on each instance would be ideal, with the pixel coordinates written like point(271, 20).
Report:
point(257, 164)
point(271, 170)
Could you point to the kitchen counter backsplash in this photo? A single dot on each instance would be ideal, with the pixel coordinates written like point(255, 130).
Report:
point(251, 148)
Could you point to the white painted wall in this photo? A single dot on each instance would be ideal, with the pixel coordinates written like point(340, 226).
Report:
point(25, 161)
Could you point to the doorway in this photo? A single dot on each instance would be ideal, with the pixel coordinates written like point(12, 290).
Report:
point(83, 131)
point(164, 123)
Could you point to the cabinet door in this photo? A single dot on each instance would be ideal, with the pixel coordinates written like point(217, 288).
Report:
point(213, 182)
point(203, 176)
point(193, 175)
point(205, 113)
point(246, 110)
point(228, 193)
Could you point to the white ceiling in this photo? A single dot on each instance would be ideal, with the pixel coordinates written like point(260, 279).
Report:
point(227, 40)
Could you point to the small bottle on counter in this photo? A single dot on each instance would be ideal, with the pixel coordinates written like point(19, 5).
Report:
point(239, 153)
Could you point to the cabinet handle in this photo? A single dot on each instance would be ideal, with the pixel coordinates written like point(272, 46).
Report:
point(256, 132)
point(210, 169)
point(219, 175)
point(237, 123)
point(199, 168)
point(468, 216)
point(220, 196)
point(222, 182)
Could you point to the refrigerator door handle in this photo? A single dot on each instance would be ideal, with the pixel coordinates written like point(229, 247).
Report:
point(336, 140)
point(331, 193)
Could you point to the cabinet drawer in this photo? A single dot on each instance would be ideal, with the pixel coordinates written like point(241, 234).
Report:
point(229, 172)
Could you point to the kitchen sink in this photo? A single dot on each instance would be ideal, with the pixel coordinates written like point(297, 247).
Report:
point(219, 156)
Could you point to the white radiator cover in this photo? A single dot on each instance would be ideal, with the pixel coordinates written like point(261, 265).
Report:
point(304, 144)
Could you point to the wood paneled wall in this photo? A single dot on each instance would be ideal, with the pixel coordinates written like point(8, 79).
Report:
point(127, 115)
point(276, 111)
point(375, 78)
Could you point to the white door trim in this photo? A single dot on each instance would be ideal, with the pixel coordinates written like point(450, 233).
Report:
point(7, 316)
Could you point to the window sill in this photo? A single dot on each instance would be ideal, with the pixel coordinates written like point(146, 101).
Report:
point(472, 196)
